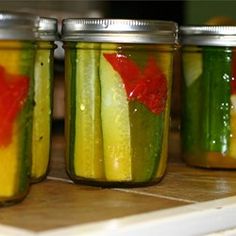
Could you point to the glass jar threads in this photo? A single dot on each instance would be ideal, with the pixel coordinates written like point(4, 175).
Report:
point(118, 85)
point(209, 95)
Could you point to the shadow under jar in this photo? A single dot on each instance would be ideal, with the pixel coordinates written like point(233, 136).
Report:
point(208, 126)
point(118, 86)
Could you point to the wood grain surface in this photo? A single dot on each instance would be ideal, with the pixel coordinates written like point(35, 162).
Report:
point(57, 202)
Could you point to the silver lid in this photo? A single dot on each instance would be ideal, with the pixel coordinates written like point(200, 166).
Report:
point(119, 31)
point(16, 25)
point(48, 29)
point(208, 35)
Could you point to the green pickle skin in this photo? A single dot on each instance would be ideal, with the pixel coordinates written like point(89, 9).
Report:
point(28, 55)
point(147, 135)
point(215, 87)
point(191, 124)
point(110, 139)
point(206, 111)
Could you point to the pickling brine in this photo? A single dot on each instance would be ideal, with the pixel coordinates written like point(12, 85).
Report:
point(117, 112)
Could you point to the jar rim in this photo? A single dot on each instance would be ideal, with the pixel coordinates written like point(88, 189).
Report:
point(209, 35)
point(48, 29)
point(119, 30)
point(18, 25)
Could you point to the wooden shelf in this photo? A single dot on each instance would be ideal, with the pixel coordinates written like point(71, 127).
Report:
point(57, 203)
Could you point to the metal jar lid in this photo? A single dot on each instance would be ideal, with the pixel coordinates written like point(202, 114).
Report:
point(48, 30)
point(208, 35)
point(120, 31)
point(19, 26)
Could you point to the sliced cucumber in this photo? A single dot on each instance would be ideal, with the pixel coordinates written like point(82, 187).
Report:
point(190, 125)
point(70, 92)
point(215, 99)
point(42, 111)
point(192, 68)
point(88, 148)
point(165, 60)
point(26, 118)
point(146, 141)
point(115, 124)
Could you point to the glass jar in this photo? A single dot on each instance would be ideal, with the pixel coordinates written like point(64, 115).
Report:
point(118, 86)
point(43, 94)
point(209, 96)
point(17, 51)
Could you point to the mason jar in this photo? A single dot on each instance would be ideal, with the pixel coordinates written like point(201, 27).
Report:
point(209, 96)
point(17, 51)
point(118, 76)
point(43, 94)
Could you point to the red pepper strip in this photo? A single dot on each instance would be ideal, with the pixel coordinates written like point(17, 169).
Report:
point(13, 92)
point(233, 81)
point(148, 86)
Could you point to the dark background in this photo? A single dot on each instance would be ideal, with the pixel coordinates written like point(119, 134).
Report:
point(157, 10)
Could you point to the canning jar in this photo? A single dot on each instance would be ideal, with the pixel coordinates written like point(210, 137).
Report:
point(209, 96)
point(118, 86)
point(17, 51)
point(43, 94)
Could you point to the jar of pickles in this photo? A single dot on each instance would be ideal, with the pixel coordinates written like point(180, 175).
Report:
point(43, 93)
point(17, 51)
point(209, 96)
point(118, 86)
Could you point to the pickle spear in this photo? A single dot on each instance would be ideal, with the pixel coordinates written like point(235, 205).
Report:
point(88, 149)
point(115, 124)
point(192, 61)
point(41, 132)
point(215, 95)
